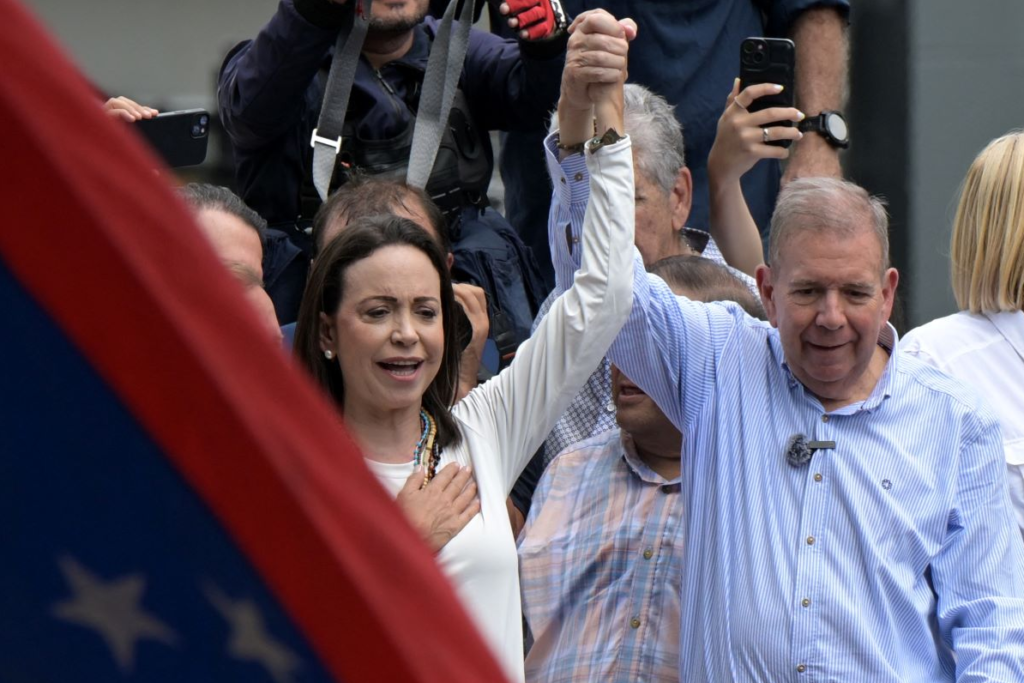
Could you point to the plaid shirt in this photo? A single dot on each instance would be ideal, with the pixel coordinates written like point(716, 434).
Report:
point(600, 563)
point(592, 411)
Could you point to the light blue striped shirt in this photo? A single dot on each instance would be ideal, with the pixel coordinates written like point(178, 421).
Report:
point(592, 412)
point(875, 562)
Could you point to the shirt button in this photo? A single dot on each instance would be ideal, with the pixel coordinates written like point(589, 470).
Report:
point(824, 418)
point(817, 476)
point(806, 602)
point(810, 540)
point(648, 554)
point(578, 177)
point(562, 180)
point(610, 407)
point(800, 668)
point(635, 622)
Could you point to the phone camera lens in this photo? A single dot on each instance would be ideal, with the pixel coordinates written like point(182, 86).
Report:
point(197, 130)
point(758, 57)
point(748, 47)
point(203, 120)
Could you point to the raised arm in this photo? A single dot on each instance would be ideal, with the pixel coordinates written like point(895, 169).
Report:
point(263, 84)
point(822, 59)
point(528, 397)
point(665, 338)
point(513, 85)
point(739, 144)
point(592, 58)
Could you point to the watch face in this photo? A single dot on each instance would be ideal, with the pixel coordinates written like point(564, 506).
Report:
point(836, 125)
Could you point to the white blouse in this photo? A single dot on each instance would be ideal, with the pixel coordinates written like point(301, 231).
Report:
point(987, 351)
point(505, 420)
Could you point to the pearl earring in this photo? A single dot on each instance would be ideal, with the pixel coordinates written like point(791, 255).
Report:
point(328, 354)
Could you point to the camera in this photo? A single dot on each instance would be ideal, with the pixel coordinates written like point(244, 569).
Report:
point(754, 53)
point(200, 125)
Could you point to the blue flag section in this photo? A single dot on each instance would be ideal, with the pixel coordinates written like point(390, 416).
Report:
point(120, 570)
point(177, 501)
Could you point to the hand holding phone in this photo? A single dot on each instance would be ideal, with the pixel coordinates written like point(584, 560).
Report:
point(745, 135)
point(769, 60)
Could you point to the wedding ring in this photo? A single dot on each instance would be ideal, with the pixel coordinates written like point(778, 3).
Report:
point(764, 136)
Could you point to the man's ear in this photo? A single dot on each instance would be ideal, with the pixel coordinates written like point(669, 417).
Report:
point(328, 335)
point(763, 277)
point(890, 280)
point(682, 199)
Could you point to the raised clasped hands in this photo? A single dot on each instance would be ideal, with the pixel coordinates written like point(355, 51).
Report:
point(595, 70)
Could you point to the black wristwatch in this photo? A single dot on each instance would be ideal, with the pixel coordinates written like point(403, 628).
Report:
point(830, 125)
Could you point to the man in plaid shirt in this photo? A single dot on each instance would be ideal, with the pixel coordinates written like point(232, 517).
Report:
point(600, 556)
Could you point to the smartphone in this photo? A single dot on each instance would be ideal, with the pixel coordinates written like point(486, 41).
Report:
point(179, 137)
point(769, 60)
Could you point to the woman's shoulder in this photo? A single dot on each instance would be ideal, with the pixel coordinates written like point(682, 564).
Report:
point(944, 339)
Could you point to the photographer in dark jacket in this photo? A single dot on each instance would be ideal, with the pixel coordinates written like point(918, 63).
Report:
point(271, 89)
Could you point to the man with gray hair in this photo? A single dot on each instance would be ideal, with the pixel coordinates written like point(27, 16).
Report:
point(663, 195)
point(847, 515)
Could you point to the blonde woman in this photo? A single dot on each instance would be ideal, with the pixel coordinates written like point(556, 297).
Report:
point(984, 343)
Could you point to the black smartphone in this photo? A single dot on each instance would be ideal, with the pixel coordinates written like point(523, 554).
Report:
point(769, 60)
point(179, 137)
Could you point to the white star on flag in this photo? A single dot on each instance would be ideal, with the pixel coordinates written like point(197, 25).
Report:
point(249, 639)
point(112, 610)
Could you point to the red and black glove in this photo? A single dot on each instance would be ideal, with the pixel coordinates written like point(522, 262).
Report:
point(539, 18)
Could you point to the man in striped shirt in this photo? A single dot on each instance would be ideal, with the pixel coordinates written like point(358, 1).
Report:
point(846, 511)
point(601, 555)
point(662, 207)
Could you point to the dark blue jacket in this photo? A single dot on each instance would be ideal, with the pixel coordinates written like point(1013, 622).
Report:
point(270, 95)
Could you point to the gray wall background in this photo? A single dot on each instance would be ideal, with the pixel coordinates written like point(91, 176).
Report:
point(932, 81)
point(159, 52)
point(966, 87)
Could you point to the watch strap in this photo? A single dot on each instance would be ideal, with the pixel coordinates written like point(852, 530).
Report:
point(610, 137)
point(817, 124)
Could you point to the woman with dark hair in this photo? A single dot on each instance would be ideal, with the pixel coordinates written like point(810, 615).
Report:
point(376, 330)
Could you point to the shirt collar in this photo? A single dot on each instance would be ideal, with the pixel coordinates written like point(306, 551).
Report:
point(419, 51)
point(1011, 325)
point(638, 467)
point(888, 339)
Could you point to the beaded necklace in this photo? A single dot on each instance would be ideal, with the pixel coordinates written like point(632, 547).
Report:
point(427, 445)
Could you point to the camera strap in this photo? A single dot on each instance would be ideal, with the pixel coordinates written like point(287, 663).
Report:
point(326, 139)
point(444, 67)
point(440, 82)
